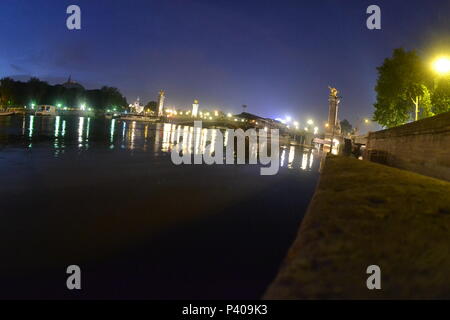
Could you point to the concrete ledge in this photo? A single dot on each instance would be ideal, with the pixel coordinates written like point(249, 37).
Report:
point(366, 214)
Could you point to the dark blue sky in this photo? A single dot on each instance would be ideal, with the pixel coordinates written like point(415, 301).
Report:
point(278, 57)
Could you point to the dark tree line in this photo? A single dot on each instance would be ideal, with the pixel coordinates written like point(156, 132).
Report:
point(19, 94)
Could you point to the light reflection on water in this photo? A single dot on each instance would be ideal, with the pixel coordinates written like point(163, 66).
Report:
point(86, 132)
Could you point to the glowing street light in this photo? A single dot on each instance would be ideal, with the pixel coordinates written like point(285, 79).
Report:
point(316, 130)
point(442, 65)
point(310, 122)
point(288, 119)
point(229, 115)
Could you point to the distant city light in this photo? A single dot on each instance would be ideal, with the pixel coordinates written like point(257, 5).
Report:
point(310, 122)
point(316, 130)
point(288, 119)
point(83, 107)
point(229, 115)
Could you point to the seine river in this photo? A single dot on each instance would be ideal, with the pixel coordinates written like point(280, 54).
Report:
point(104, 194)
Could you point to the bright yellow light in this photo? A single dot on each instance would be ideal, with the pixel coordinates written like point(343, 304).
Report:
point(442, 65)
point(366, 120)
point(229, 115)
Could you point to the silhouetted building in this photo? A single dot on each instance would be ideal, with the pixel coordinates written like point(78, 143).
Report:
point(70, 84)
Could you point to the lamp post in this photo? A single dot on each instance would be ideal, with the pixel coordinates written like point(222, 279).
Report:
point(441, 67)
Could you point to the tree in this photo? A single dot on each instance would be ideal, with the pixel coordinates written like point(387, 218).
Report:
point(402, 91)
point(346, 127)
point(441, 96)
point(6, 91)
point(39, 92)
point(37, 89)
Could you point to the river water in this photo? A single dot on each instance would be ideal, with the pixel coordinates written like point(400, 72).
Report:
point(104, 195)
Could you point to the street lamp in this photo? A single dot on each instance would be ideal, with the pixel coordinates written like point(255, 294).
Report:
point(442, 65)
point(310, 122)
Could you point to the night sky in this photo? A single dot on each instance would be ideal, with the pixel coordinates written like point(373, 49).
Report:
point(277, 57)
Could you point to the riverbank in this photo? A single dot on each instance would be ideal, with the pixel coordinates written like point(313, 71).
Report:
point(366, 214)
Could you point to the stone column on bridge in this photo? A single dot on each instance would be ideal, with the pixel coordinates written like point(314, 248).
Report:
point(333, 127)
point(195, 109)
point(161, 99)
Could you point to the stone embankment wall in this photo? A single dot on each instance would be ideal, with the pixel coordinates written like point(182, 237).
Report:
point(422, 146)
